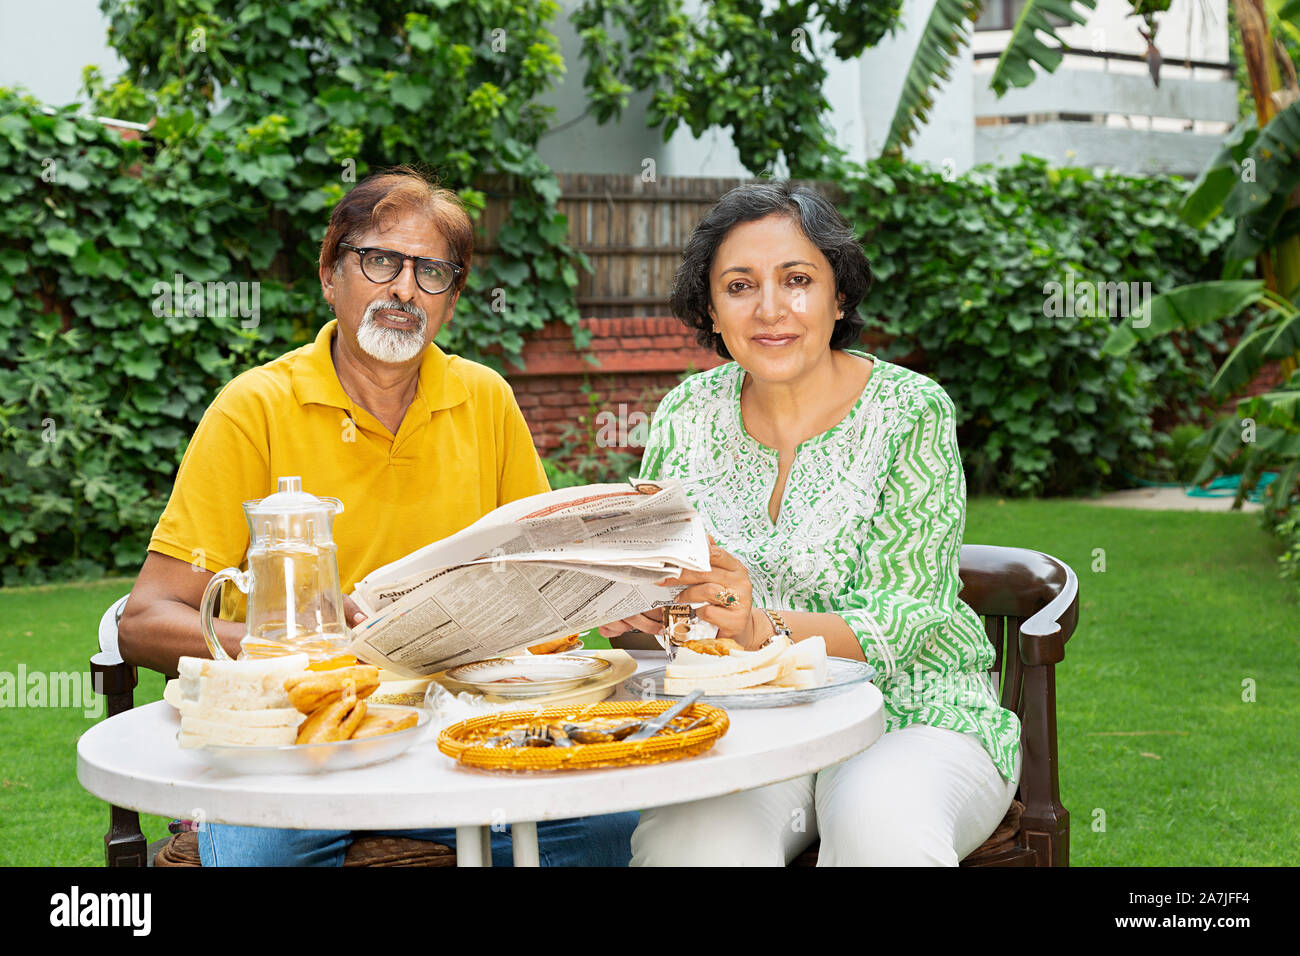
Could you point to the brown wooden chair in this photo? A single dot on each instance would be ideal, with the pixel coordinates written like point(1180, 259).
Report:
point(1030, 605)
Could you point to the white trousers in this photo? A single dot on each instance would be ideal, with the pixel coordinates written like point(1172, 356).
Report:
point(920, 796)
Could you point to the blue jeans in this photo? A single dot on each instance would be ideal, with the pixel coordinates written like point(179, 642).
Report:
point(584, 841)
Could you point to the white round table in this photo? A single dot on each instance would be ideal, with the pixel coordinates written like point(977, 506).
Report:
point(132, 761)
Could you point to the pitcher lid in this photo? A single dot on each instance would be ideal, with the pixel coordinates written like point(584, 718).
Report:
point(289, 498)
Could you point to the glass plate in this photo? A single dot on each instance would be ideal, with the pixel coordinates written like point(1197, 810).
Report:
point(842, 675)
point(319, 758)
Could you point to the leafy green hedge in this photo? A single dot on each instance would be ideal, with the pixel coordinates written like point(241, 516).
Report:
point(962, 267)
point(257, 135)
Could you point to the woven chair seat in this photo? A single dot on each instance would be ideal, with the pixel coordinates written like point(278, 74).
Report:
point(366, 850)
point(1004, 842)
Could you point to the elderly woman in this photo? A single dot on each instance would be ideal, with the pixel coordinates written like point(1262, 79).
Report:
point(831, 484)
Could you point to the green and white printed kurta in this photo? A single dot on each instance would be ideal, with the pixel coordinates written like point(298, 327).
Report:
point(870, 528)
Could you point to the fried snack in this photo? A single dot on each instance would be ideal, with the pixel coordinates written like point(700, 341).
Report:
point(333, 663)
point(376, 724)
point(311, 690)
point(557, 645)
point(334, 721)
point(718, 646)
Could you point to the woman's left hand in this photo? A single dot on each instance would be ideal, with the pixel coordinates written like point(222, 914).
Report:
point(728, 594)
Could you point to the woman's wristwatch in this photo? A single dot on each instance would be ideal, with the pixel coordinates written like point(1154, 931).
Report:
point(778, 623)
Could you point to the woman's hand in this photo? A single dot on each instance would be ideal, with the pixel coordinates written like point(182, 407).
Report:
point(725, 589)
point(728, 596)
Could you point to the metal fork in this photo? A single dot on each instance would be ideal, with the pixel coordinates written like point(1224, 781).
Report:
point(538, 735)
point(657, 724)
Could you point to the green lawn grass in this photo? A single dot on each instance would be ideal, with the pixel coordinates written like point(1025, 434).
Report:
point(1161, 760)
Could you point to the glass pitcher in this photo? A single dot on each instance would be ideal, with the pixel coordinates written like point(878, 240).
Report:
point(295, 603)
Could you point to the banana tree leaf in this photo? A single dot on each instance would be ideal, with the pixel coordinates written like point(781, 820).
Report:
point(1285, 342)
point(1286, 12)
point(1187, 307)
point(1025, 47)
point(945, 33)
point(1287, 226)
point(1225, 443)
point(1276, 169)
point(1216, 180)
point(1256, 231)
point(1273, 443)
point(1285, 484)
point(1242, 364)
point(1278, 409)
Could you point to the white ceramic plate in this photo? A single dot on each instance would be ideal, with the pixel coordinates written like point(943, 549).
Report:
point(532, 675)
point(319, 758)
point(842, 674)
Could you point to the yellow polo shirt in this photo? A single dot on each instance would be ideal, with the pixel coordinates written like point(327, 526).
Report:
point(462, 450)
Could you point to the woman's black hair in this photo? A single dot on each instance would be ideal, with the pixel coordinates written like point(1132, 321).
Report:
point(820, 222)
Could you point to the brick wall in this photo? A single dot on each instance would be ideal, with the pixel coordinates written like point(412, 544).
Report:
point(636, 361)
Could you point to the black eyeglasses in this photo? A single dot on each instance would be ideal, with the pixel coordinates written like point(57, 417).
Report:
point(384, 265)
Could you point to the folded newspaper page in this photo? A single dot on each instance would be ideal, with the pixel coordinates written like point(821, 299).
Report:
point(538, 568)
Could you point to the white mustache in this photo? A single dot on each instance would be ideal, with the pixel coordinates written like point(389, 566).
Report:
point(393, 305)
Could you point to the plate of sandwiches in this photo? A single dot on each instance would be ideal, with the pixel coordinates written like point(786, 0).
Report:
point(284, 715)
point(781, 673)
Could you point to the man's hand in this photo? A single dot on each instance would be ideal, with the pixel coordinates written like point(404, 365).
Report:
point(651, 622)
point(351, 613)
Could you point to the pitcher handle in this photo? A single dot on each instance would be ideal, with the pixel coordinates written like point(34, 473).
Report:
point(240, 580)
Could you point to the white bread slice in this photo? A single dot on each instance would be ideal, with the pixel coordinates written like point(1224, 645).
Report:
point(271, 717)
point(720, 683)
point(173, 694)
point(200, 733)
point(809, 658)
point(787, 666)
point(689, 664)
point(801, 679)
point(239, 685)
point(811, 652)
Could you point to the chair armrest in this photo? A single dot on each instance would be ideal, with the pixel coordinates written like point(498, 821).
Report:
point(116, 681)
point(1043, 636)
point(112, 676)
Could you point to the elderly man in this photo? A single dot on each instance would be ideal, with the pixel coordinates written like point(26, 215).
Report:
point(417, 444)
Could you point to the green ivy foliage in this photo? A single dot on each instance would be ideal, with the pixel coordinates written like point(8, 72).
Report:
point(99, 390)
point(450, 86)
point(963, 267)
point(265, 113)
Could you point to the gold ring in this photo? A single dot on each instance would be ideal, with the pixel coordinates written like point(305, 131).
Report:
point(725, 598)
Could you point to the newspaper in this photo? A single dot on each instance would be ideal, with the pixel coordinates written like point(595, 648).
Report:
point(553, 564)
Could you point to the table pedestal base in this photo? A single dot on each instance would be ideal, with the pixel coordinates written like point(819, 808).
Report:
point(474, 845)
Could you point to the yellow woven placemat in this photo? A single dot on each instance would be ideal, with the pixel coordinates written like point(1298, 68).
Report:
point(461, 741)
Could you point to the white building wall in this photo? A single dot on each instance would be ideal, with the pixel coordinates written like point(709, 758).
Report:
point(44, 46)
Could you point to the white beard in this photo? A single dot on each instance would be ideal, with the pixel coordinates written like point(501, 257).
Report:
point(393, 346)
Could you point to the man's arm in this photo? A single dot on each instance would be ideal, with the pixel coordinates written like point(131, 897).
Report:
point(160, 623)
